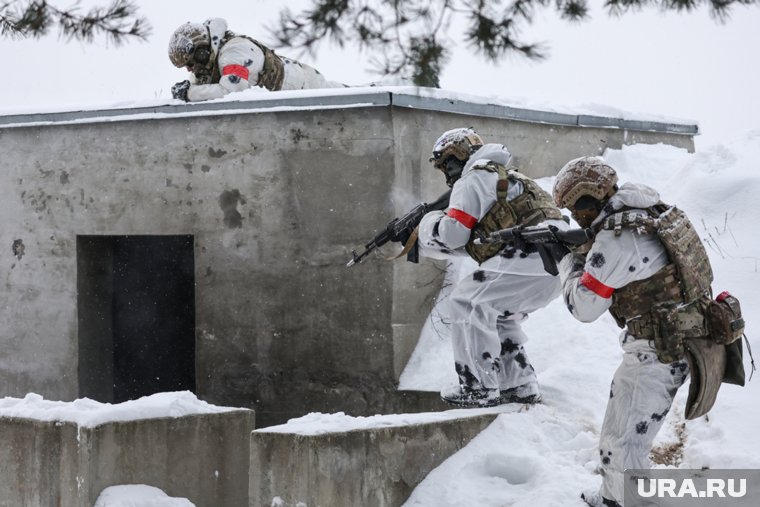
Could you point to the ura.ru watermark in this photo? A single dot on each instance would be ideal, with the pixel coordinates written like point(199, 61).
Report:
point(694, 488)
point(714, 488)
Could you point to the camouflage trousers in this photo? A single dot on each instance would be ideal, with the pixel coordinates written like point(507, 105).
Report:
point(486, 309)
point(641, 395)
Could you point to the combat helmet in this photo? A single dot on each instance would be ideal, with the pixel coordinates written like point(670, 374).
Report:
point(584, 176)
point(452, 150)
point(583, 186)
point(189, 45)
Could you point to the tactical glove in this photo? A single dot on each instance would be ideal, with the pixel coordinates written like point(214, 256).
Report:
point(179, 90)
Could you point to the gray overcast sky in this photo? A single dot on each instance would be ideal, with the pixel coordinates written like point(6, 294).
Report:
point(684, 66)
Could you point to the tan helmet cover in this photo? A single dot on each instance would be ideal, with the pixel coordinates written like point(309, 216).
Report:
point(707, 363)
point(583, 176)
point(185, 40)
point(459, 142)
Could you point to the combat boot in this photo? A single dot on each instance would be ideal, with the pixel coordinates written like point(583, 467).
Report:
point(597, 500)
point(468, 397)
point(526, 393)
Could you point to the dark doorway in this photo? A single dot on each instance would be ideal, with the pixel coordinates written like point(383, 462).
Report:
point(136, 305)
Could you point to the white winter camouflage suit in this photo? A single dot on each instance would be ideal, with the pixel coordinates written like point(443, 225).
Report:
point(642, 388)
point(240, 62)
point(487, 306)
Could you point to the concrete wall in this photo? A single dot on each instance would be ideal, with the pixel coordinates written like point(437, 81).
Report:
point(274, 202)
point(204, 458)
point(377, 466)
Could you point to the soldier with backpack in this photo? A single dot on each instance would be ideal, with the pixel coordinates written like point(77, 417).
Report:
point(648, 267)
point(222, 61)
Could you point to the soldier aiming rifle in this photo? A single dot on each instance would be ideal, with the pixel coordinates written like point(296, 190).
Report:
point(486, 306)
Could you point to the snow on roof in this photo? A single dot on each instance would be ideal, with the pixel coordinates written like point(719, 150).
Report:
point(90, 413)
point(259, 100)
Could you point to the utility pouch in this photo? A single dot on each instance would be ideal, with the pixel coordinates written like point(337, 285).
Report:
point(724, 319)
point(668, 337)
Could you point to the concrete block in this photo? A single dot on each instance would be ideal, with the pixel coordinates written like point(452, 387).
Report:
point(202, 457)
point(375, 466)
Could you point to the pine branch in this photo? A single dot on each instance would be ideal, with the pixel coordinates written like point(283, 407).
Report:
point(719, 9)
point(34, 18)
point(411, 37)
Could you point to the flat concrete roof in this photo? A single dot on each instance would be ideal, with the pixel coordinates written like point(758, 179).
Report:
point(404, 97)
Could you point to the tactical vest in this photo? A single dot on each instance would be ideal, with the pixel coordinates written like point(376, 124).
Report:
point(270, 77)
point(532, 206)
point(668, 306)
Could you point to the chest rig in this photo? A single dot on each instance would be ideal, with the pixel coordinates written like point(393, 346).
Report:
point(532, 206)
point(668, 306)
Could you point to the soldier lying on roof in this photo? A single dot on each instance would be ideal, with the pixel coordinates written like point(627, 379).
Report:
point(222, 62)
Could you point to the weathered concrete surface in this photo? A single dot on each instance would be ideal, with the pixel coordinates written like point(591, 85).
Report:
point(376, 466)
point(204, 458)
point(274, 202)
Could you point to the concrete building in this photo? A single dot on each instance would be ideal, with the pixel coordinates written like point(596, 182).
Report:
point(204, 246)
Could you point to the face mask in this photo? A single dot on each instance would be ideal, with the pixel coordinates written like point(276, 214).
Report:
point(452, 168)
point(585, 210)
point(202, 55)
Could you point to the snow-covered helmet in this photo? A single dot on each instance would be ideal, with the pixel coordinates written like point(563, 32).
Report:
point(452, 150)
point(584, 176)
point(190, 44)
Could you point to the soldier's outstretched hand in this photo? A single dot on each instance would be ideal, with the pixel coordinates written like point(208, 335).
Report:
point(179, 90)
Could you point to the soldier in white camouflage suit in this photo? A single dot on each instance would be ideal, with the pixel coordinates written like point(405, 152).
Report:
point(628, 272)
point(222, 62)
point(487, 306)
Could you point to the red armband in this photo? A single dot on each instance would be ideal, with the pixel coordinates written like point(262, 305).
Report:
point(596, 286)
point(463, 218)
point(236, 70)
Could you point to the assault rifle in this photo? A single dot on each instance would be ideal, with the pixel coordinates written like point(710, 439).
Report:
point(398, 228)
point(548, 240)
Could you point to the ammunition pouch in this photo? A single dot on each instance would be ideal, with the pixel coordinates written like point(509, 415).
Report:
point(724, 319)
point(638, 298)
point(531, 207)
point(668, 325)
point(668, 336)
point(679, 331)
